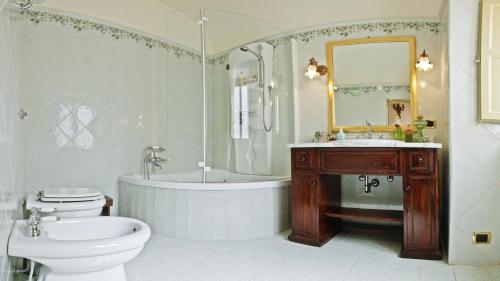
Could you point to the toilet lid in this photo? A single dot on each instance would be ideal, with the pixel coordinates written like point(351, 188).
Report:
point(71, 199)
point(73, 193)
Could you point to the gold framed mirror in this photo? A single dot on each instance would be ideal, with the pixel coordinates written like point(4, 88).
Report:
point(369, 78)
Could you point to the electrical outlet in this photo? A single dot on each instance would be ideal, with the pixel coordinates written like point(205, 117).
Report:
point(481, 237)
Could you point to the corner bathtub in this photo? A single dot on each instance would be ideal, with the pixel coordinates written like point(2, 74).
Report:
point(228, 207)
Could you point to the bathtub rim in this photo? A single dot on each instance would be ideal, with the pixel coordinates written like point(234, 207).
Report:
point(215, 186)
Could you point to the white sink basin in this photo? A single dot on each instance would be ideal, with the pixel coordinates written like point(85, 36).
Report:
point(369, 142)
point(79, 249)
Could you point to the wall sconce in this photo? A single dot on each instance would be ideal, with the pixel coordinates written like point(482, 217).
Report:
point(424, 64)
point(314, 70)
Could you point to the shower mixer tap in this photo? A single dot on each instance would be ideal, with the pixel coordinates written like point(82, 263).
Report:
point(152, 156)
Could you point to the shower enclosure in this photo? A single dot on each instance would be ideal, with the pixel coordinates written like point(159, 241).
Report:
point(229, 116)
point(231, 108)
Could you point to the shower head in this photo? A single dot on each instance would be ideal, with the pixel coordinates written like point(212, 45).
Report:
point(246, 49)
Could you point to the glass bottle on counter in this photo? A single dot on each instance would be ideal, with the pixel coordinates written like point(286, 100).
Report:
point(398, 133)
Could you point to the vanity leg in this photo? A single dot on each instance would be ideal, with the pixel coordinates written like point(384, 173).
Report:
point(312, 196)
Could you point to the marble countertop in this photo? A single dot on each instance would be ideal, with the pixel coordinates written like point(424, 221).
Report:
point(367, 143)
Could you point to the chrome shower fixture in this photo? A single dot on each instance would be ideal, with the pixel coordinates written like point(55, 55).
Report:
point(23, 6)
point(261, 78)
point(246, 49)
point(151, 155)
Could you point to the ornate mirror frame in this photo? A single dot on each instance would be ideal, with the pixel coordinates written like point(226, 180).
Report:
point(414, 99)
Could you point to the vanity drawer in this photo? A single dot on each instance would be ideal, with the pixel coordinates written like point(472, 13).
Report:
point(304, 159)
point(356, 161)
point(420, 161)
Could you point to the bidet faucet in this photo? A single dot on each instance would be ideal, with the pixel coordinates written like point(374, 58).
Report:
point(369, 128)
point(34, 221)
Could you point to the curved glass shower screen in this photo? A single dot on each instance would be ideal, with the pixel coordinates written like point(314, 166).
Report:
point(239, 118)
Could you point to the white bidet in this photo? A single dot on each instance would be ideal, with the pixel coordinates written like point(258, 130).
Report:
point(81, 249)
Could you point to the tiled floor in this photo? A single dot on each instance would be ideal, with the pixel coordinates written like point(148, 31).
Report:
point(349, 256)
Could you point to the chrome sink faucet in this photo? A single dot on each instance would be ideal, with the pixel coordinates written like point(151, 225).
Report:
point(370, 129)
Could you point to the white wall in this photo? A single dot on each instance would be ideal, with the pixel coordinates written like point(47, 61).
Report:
point(11, 141)
point(69, 75)
point(474, 147)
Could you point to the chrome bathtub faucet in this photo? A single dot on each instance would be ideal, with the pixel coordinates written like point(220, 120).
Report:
point(152, 156)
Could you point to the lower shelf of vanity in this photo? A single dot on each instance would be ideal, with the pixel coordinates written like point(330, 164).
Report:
point(366, 215)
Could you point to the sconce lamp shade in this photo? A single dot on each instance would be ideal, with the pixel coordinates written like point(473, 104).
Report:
point(314, 70)
point(424, 64)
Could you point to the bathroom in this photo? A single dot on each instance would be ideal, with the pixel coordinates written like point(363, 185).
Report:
point(192, 123)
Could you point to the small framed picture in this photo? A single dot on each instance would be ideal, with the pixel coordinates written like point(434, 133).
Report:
point(398, 112)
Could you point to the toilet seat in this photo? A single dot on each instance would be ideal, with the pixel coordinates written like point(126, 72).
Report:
point(70, 199)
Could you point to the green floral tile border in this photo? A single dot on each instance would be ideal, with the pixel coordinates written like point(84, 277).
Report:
point(347, 30)
point(305, 36)
point(357, 90)
point(117, 33)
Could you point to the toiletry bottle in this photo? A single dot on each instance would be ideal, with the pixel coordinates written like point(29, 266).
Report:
point(340, 134)
point(409, 134)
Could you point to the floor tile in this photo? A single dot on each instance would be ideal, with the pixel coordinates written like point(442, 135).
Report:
point(350, 256)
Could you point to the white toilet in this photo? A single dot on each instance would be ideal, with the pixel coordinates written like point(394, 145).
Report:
point(67, 202)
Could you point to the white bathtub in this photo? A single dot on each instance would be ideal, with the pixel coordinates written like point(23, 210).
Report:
point(228, 207)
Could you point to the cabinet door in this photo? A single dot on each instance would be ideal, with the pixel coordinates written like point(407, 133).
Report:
point(304, 203)
point(421, 213)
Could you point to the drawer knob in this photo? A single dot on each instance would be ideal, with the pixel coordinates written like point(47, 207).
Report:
point(408, 188)
point(303, 159)
point(314, 183)
point(420, 159)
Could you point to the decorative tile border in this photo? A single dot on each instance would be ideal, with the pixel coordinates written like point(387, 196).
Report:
point(357, 90)
point(304, 36)
point(115, 32)
point(346, 30)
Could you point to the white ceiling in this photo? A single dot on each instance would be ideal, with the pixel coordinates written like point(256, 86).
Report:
point(294, 14)
point(235, 22)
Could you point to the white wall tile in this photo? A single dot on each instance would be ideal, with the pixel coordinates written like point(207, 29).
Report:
point(12, 163)
point(475, 149)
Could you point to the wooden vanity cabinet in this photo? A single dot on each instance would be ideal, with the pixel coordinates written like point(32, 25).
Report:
point(312, 196)
point(316, 194)
point(421, 204)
